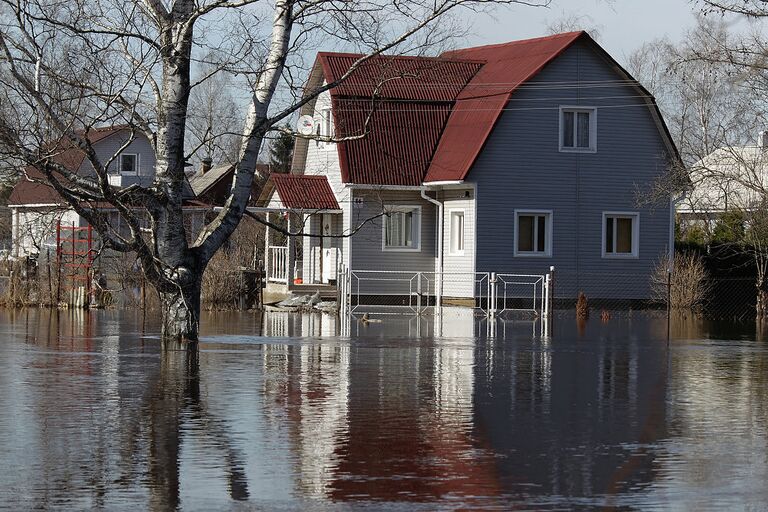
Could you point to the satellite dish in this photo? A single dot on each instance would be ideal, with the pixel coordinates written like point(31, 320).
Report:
point(305, 125)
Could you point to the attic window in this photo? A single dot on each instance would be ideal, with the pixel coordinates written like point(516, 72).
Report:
point(578, 129)
point(129, 163)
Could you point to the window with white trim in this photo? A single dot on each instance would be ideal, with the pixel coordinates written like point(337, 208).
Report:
point(578, 129)
point(324, 127)
point(456, 236)
point(129, 163)
point(621, 234)
point(533, 233)
point(401, 228)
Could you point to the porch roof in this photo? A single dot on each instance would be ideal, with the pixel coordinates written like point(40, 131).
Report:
point(303, 192)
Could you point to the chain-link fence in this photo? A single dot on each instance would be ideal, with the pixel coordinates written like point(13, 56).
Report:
point(619, 294)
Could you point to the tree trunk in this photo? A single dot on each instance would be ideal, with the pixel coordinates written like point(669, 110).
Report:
point(761, 307)
point(181, 311)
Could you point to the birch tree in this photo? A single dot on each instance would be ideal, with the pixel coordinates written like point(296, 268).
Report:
point(67, 66)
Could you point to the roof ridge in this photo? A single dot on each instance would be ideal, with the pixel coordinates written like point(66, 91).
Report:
point(438, 58)
point(563, 35)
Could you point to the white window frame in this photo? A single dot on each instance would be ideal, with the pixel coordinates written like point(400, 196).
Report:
point(415, 227)
point(592, 111)
point(635, 216)
point(120, 164)
point(452, 236)
point(325, 126)
point(549, 223)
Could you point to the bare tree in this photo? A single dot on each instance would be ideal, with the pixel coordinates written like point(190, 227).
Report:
point(570, 21)
point(213, 116)
point(714, 104)
point(70, 66)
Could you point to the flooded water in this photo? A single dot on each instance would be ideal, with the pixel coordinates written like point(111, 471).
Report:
point(279, 413)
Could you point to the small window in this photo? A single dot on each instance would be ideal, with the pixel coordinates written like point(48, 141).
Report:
point(129, 163)
point(457, 232)
point(401, 228)
point(533, 233)
point(324, 127)
point(327, 123)
point(578, 129)
point(620, 235)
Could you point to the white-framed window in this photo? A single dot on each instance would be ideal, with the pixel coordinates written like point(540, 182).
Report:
point(621, 234)
point(401, 228)
point(456, 233)
point(129, 163)
point(324, 127)
point(578, 129)
point(533, 233)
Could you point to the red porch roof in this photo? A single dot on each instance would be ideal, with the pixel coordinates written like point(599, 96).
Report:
point(302, 192)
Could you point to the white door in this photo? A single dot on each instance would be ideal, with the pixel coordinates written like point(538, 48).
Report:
point(329, 251)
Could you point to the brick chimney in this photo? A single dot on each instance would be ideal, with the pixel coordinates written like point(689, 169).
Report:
point(206, 165)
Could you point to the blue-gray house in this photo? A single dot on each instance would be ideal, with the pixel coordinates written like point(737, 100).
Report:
point(509, 158)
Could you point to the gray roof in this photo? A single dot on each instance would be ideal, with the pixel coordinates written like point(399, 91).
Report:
point(201, 183)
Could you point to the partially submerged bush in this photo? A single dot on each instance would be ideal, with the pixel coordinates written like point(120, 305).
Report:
point(689, 284)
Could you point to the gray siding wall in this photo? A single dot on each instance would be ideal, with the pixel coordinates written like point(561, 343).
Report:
point(366, 245)
point(109, 147)
point(521, 167)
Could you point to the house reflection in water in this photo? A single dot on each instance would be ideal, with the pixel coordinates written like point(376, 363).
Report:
point(466, 417)
point(100, 417)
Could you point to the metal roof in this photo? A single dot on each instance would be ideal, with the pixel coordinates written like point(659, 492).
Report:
point(431, 116)
point(397, 106)
point(482, 101)
point(303, 192)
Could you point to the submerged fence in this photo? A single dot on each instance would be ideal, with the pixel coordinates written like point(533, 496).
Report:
point(488, 292)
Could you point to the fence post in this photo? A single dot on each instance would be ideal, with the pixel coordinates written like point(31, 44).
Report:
point(492, 295)
point(551, 288)
point(669, 303)
point(418, 293)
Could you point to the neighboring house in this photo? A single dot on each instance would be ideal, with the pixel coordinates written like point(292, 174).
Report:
point(508, 158)
point(733, 178)
point(37, 209)
point(212, 185)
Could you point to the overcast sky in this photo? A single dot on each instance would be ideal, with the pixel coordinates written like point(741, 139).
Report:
point(624, 24)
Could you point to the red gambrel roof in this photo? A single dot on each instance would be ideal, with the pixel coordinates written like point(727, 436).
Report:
point(482, 101)
point(397, 106)
point(303, 192)
point(431, 116)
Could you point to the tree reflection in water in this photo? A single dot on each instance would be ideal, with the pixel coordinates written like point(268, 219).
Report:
point(97, 415)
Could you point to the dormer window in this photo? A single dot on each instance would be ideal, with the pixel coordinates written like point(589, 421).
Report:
point(578, 129)
point(129, 163)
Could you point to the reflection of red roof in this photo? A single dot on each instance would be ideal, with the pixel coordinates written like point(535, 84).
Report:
point(305, 192)
point(432, 116)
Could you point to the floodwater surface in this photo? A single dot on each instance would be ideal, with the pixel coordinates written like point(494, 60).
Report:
point(277, 412)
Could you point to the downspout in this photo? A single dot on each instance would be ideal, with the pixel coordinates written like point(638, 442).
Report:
point(439, 280)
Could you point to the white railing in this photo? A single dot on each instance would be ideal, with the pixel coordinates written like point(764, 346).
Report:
point(492, 293)
point(278, 264)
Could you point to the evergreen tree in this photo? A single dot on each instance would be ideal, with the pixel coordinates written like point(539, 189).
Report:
point(281, 152)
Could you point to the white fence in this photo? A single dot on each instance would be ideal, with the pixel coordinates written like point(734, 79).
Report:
point(493, 294)
point(278, 264)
